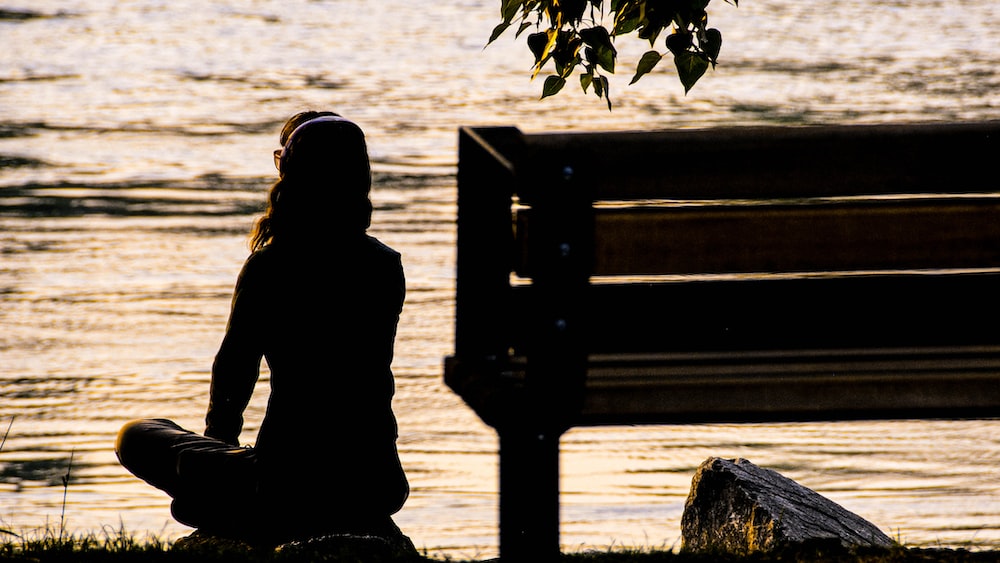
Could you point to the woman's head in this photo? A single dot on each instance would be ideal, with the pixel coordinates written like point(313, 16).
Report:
point(324, 180)
point(316, 145)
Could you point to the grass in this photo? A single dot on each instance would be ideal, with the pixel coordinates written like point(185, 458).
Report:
point(49, 545)
point(118, 546)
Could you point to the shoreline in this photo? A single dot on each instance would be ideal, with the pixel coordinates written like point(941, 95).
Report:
point(116, 545)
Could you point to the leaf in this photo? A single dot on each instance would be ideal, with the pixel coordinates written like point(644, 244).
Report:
point(497, 31)
point(607, 91)
point(603, 50)
point(690, 67)
point(537, 42)
point(552, 85)
point(552, 35)
point(606, 58)
point(597, 37)
point(627, 18)
point(651, 31)
point(586, 80)
point(712, 44)
point(646, 63)
point(509, 8)
point(679, 42)
point(542, 52)
point(566, 53)
point(573, 9)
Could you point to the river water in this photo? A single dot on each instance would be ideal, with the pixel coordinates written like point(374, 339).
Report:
point(135, 149)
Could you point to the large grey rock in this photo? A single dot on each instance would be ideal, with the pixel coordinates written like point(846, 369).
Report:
point(737, 507)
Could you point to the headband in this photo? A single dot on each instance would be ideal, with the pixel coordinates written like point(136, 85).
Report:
point(282, 157)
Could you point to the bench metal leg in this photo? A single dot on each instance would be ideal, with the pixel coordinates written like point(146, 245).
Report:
point(529, 495)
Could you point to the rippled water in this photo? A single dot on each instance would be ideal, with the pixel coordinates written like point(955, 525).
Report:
point(135, 148)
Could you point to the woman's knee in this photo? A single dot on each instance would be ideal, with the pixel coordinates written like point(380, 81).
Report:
point(133, 438)
point(126, 436)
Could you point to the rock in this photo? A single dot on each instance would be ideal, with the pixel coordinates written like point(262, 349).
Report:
point(349, 547)
point(200, 542)
point(392, 546)
point(737, 507)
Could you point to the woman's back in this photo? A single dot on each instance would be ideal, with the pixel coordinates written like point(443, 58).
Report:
point(332, 320)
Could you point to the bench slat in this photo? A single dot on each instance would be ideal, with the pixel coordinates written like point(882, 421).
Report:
point(768, 313)
point(767, 162)
point(855, 236)
point(793, 385)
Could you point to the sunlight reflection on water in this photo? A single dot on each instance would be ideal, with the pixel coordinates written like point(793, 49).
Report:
point(135, 147)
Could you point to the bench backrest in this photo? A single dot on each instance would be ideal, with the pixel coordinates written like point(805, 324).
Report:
point(730, 274)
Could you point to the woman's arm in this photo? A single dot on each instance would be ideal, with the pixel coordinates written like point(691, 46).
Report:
point(237, 363)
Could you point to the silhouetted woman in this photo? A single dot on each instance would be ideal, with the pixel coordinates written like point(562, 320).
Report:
point(319, 299)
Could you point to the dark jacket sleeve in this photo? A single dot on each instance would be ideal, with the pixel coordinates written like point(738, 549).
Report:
point(237, 363)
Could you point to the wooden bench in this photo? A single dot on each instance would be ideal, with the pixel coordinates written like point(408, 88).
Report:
point(737, 275)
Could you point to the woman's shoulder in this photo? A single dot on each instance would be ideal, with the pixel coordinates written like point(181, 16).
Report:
point(366, 248)
point(282, 256)
point(256, 266)
point(261, 257)
point(380, 247)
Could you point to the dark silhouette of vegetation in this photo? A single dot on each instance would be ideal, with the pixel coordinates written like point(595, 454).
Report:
point(581, 33)
point(117, 546)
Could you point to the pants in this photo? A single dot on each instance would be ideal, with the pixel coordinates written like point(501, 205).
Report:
point(215, 487)
point(213, 483)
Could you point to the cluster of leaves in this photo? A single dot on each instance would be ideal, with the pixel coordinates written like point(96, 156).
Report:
point(580, 34)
